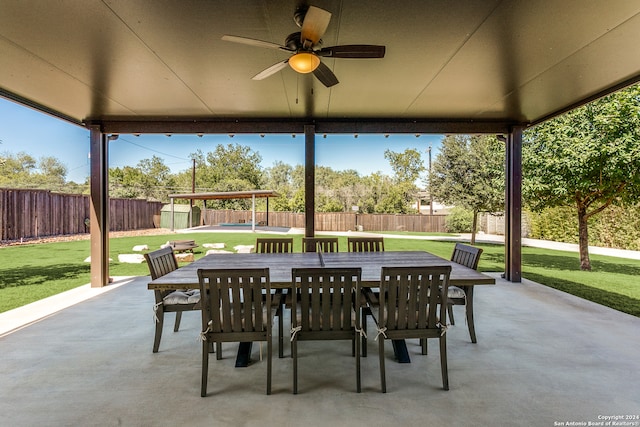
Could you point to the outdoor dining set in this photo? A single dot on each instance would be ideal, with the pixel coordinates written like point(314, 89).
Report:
point(330, 295)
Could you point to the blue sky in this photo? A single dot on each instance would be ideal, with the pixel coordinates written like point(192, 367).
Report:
point(25, 130)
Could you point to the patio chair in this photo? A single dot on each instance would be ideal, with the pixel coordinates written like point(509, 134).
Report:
point(274, 245)
point(236, 307)
point(161, 262)
point(270, 246)
point(468, 256)
point(320, 244)
point(327, 308)
point(412, 304)
point(365, 244)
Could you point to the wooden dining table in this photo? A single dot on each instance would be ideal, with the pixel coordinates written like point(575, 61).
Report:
point(280, 265)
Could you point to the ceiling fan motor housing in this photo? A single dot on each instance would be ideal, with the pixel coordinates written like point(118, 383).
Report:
point(293, 41)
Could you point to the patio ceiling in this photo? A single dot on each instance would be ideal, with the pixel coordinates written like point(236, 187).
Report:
point(483, 64)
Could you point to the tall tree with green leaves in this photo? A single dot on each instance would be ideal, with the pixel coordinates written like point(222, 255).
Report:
point(588, 158)
point(231, 167)
point(21, 170)
point(469, 173)
point(406, 167)
point(150, 179)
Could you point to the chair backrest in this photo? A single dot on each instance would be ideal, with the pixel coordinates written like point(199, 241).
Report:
point(466, 255)
point(328, 301)
point(161, 262)
point(365, 244)
point(275, 245)
point(411, 297)
point(320, 244)
point(234, 301)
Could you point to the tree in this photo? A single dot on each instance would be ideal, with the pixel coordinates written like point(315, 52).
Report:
point(407, 165)
point(588, 158)
point(279, 178)
point(227, 168)
point(125, 182)
point(156, 178)
point(23, 171)
point(469, 173)
point(51, 174)
point(15, 170)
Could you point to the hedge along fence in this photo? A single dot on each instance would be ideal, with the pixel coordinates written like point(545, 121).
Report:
point(332, 221)
point(40, 213)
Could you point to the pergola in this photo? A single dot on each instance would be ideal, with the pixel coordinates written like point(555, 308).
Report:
point(225, 195)
point(457, 66)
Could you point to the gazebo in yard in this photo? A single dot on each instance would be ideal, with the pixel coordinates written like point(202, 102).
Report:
point(461, 66)
point(225, 195)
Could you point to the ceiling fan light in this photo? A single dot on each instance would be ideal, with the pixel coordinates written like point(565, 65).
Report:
point(304, 62)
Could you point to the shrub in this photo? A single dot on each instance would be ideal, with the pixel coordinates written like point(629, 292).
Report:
point(615, 227)
point(460, 220)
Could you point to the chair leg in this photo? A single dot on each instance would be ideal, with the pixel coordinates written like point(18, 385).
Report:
point(218, 351)
point(383, 378)
point(443, 362)
point(294, 354)
point(269, 363)
point(450, 311)
point(178, 318)
point(424, 344)
point(159, 323)
point(353, 346)
point(280, 313)
point(365, 313)
point(469, 308)
point(358, 379)
point(205, 368)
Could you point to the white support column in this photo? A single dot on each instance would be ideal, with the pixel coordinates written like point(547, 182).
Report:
point(253, 212)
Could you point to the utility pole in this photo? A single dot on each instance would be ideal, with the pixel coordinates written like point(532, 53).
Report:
point(430, 192)
point(193, 190)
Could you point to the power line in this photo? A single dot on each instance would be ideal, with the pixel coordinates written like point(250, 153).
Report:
point(152, 150)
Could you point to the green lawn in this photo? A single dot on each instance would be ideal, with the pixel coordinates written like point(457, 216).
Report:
point(32, 272)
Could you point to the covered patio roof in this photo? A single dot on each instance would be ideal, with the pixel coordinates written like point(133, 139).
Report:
point(459, 66)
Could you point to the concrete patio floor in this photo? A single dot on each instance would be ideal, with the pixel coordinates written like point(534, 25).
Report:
point(543, 358)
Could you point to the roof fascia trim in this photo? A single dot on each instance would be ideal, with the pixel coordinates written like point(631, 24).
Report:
point(171, 125)
point(39, 107)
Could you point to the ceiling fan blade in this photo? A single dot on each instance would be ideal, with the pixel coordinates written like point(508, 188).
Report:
point(271, 70)
point(325, 75)
point(254, 42)
point(314, 25)
point(353, 51)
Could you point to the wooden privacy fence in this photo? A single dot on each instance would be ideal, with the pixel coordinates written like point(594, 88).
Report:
point(26, 214)
point(39, 213)
point(332, 221)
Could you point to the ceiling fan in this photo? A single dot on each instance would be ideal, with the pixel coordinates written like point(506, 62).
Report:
point(305, 47)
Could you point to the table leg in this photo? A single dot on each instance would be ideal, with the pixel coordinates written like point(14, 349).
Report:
point(400, 350)
point(244, 355)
